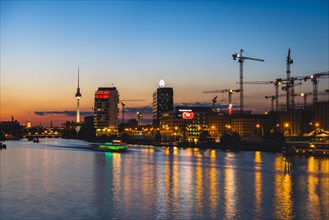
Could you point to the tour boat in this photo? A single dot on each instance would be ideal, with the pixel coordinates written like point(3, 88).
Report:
point(114, 146)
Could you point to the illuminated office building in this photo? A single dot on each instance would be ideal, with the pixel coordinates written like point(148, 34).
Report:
point(139, 118)
point(106, 110)
point(163, 101)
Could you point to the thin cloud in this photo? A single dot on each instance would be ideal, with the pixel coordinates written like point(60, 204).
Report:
point(144, 110)
point(67, 113)
point(204, 104)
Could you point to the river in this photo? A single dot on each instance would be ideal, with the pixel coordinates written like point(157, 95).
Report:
point(64, 179)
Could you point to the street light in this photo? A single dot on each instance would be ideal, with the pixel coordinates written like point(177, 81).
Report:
point(286, 125)
point(262, 130)
point(213, 130)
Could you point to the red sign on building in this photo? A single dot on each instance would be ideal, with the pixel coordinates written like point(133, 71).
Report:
point(102, 94)
point(188, 115)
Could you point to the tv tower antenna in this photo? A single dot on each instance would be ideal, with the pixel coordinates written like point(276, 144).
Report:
point(78, 96)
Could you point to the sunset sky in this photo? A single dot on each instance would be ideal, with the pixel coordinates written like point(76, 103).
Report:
point(134, 44)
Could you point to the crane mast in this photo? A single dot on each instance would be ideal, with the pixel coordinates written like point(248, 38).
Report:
point(315, 81)
point(241, 59)
point(124, 105)
point(214, 100)
point(289, 86)
point(304, 95)
point(272, 101)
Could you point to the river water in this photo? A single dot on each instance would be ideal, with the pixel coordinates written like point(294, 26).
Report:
point(63, 179)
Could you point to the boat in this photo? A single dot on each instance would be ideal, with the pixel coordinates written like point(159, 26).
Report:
point(114, 146)
point(2, 146)
point(36, 140)
point(307, 149)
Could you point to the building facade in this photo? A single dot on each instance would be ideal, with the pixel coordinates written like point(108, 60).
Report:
point(254, 125)
point(163, 101)
point(139, 118)
point(186, 121)
point(106, 111)
point(320, 116)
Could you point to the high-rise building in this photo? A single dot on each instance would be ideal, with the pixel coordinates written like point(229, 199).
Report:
point(139, 118)
point(106, 110)
point(163, 101)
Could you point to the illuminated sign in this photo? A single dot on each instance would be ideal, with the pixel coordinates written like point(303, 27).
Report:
point(102, 94)
point(188, 115)
point(184, 110)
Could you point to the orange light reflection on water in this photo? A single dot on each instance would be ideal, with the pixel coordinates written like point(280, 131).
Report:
point(258, 183)
point(282, 190)
point(229, 190)
point(213, 192)
point(312, 183)
point(199, 186)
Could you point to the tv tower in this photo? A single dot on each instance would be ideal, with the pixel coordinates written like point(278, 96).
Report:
point(78, 96)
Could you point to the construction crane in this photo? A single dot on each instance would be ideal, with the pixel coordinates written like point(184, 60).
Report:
point(241, 59)
point(272, 97)
point(288, 79)
point(315, 82)
point(124, 105)
point(291, 85)
point(276, 83)
point(230, 92)
point(304, 95)
point(214, 100)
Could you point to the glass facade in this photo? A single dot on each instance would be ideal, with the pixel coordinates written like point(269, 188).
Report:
point(163, 101)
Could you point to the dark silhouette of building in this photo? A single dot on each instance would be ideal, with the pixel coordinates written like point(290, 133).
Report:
point(163, 101)
point(11, 130)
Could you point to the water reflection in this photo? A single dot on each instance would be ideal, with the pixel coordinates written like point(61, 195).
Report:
point(287, 166)
point(214, 177)
point(161, 183)
point(258, 183)
point(283, 191)
point(230, 194)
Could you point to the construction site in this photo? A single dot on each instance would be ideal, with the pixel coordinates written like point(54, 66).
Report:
point(287, 117)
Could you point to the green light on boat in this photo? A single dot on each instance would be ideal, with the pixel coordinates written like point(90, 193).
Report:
point(112, 147)
point(108, 155)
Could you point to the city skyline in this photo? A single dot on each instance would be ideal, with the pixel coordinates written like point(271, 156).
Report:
point(132, 45)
